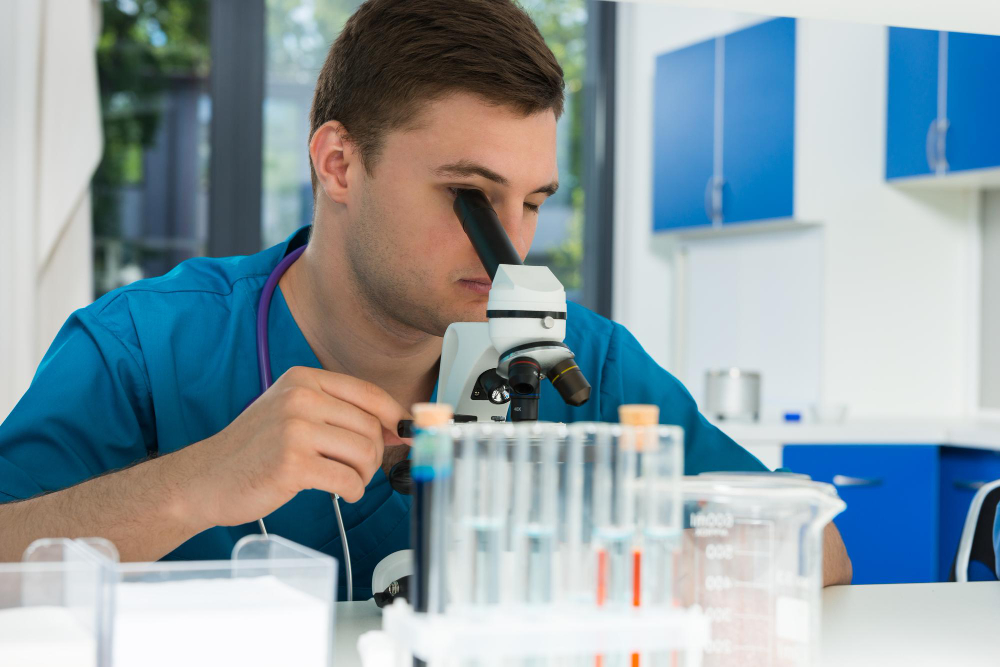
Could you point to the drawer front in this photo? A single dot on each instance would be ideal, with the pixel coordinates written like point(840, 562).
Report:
point(890, 525)
point(963, 471)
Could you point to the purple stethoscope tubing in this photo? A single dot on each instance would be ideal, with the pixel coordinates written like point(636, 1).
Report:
point(264, 365)
point(263, 310)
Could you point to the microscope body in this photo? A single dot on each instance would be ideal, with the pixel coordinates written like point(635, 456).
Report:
point(520, 344)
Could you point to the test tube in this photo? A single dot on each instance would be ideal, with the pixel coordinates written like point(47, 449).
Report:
point(538, 523)
point(661, 510)
point(480, 514)
point(573, 498)
point(639, 439)
point(431, 456)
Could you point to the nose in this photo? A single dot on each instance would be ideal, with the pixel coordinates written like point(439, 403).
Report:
point(521, 232)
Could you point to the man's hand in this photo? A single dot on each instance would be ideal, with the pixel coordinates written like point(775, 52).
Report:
point(312, 429)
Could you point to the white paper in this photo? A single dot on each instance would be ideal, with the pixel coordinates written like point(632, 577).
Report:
point(242, 622)
point(44, 637)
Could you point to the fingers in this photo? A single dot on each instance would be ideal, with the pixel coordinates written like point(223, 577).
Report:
point(318, 406)
point(335, 477)
point(365, 395)
point(349, 448)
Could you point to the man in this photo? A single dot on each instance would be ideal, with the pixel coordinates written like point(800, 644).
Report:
point(143, 423)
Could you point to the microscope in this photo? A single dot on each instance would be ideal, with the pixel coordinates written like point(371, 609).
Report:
point(489, 366)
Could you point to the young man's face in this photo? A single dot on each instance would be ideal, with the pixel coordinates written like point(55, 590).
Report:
point(412, 258)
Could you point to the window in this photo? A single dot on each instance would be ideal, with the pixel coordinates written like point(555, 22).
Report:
point(559, 240)
point(150, 191)
point(298, 36)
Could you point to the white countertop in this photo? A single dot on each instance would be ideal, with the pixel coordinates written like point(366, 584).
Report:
point(981, 433)
point(917, 625)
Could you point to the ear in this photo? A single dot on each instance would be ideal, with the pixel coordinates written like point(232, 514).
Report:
point(333, 157)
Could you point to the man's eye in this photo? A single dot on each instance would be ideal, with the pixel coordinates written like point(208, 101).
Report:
point(532, 207)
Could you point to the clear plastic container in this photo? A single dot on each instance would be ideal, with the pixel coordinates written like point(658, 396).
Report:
point(54, 606)
point(272, 604)
point(545, 539)
point(752, 560)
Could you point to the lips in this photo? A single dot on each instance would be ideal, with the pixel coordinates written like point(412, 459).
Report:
point(477, 285)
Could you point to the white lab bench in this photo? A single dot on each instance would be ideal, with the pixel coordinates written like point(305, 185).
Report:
point(916, 625)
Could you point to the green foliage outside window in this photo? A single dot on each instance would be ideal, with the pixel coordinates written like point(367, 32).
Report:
point(142, 44)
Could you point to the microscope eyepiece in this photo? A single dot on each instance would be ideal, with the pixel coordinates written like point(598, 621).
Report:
point(483, 227)
point(569, 381)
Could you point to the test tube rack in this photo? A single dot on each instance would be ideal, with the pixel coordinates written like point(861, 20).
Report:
point(546, 539)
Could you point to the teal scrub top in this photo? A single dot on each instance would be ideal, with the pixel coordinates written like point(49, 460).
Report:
point(166, 362)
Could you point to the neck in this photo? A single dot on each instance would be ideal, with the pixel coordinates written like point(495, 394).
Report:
point(349, 336)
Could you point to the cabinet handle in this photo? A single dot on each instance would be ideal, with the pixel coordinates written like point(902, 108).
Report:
point(844, 480)
point(935, 147)
point(930, 146)
point(942, 145)
point(967, 485)
point(710, 198)
point(713, 198)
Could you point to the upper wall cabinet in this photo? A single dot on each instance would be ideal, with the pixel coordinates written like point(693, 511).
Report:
point(943, 105)
point(724, 124)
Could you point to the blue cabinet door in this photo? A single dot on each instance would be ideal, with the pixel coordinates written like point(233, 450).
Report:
point(973, 139)
point(758, 135)
point(963, 471)
point(683, 136)
point(890, 525)
point(912, 100)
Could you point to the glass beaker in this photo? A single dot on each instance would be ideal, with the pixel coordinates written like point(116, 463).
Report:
point(752, 559)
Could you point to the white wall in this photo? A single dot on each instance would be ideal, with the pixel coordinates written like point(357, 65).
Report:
point(47, 66)
point(990, 300)
point(897, 292)
point(643, 273)
point(955, 15)
point(896, 299)
point(755, 302)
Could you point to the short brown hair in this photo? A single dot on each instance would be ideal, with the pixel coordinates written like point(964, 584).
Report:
point(394, 54)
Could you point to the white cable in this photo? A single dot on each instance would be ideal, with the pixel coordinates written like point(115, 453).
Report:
point(347, 553)
point(343, 541)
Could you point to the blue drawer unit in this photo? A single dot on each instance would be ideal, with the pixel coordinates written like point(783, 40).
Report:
point(682, 136)
point(723, 129)
point(758, 135)
point(890, 525)
point(943, 102)
point(963, 471)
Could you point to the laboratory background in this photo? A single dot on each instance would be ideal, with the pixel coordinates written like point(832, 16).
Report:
point(794, 207)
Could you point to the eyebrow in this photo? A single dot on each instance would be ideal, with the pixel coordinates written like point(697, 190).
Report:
point(464, 168)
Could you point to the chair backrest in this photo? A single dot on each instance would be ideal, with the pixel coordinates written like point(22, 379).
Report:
point(977, 535)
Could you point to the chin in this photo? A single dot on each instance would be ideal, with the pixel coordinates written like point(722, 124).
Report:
point(469, 313)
